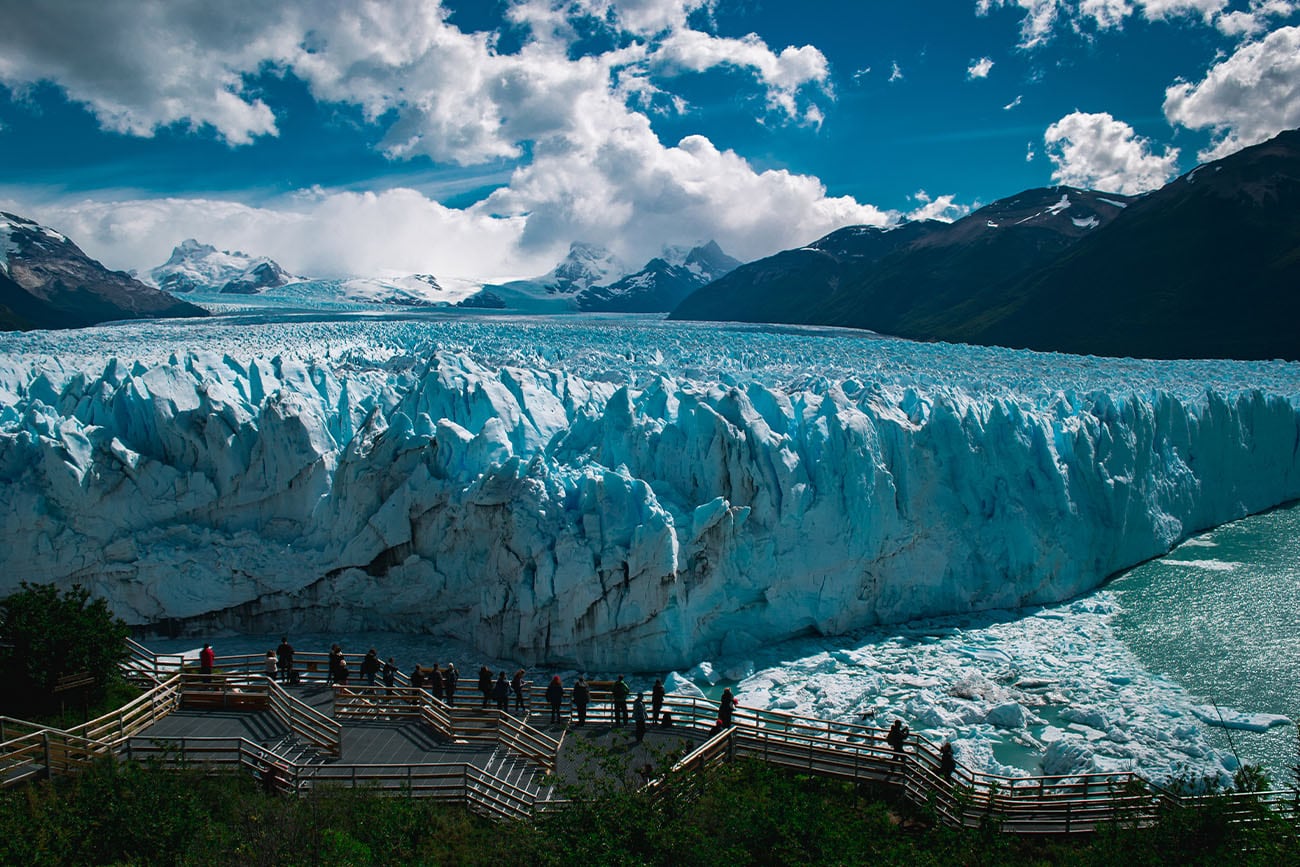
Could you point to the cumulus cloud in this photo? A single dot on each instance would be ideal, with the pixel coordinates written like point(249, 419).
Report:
point(1244, 99)
point(1097, 151)
point(942, 208)
point(590, 166)
point(979, 68)
point(1257, 18)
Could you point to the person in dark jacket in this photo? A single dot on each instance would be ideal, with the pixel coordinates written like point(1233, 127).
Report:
point(501, 692)
point(656, 700)
point(555, 696)
point(638, 717)
point(621, 691)
point(437, 684)
point(390, 674)
point(485, 684)
point(417, 677)
point(449, 680)
point(947, 762)
point(581, 698)
point(517, 687)
point(726, 707)
point(897, 735)
point(284, 659)
point(370, 666)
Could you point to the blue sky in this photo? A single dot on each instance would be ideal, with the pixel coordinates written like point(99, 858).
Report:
point(478, 139)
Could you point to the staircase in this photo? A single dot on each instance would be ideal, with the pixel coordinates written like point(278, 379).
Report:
point(296, 752)
point(474, 725)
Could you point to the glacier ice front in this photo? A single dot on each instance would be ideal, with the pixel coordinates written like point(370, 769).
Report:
point(607, 493)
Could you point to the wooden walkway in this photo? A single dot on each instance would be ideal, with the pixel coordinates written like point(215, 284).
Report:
point(401, 740)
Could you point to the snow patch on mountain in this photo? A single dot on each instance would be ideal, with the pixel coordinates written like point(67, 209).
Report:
point(198, 267)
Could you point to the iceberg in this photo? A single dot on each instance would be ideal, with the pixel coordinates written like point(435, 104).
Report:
point(602, 493)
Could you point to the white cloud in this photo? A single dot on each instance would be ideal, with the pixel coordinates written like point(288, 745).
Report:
point(597, 170)
point(1040, 17)
point(1029, 153)
point(1013, 103)
point(941, 208)
point(312, 232)
point(1156, 10)
point(979, 68)
point(1106, 14)
point(1257, 19)
point(895, 72)
point(1098, 152)
point(1244, 99)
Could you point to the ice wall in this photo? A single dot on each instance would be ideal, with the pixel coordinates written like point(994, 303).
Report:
point(608, 495)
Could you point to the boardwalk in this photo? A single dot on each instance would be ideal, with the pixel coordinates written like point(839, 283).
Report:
point(404, 741)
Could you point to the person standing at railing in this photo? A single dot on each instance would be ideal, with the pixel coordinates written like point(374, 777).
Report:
point(332, 669)
point(726, 707)
point(272, 665)
point(485, 684)
point(370, 666)
point(284, 659)
point(449, 681)
point(555, 697)
point(897, 735)
point(437, 684)
point(207, 660)
point(501, 692)
point(656, 700)
point(390, 674)
point(947, 762)
point(621, 691)
point(517, 686)
point(638, 717)
point(581, 698)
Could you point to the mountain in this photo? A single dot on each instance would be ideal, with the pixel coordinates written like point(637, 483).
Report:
point(198, 267)
point(1204, 267)
point(586, 265)
point(662, 284)
point(899, 280)
point(46, 281)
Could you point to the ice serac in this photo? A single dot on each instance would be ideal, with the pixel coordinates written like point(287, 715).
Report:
point(604, 495)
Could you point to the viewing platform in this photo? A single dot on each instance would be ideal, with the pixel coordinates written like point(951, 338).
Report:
point(403, 741)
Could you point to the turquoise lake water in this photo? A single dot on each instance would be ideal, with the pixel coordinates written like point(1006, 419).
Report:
point(1220, 616)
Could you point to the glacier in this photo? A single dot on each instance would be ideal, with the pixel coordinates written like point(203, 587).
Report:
point(606, 492)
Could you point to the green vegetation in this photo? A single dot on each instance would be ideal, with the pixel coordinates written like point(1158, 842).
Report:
point(49, 638)
point(742, 813)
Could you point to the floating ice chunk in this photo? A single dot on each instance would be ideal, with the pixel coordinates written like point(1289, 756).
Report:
point(704, 672)
point(679, 685)
point(1213, 565)
point(1232, 719)
point(1066, 757)
point(1007, 716)
point(739, 671)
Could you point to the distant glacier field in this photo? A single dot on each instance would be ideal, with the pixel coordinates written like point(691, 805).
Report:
point(609, 493)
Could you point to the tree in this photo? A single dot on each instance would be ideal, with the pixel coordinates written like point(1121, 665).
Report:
point(46, 634)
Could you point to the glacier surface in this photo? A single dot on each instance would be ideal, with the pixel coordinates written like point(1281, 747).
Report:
point(603, 492)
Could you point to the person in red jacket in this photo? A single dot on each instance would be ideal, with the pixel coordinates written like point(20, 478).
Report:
point(207, 659)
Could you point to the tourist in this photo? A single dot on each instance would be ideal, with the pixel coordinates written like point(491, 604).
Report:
point(284, 659)
point(726, 706)
point(501, 692)
point(207, 661)
point(621, 692)
point(449, 680)
point(656, 700)
point(581, 698)
point(897, 735)
point(485, 684)
point(555, 695)
point(436, 682)
point(370, 666)
point(638, 717)
point(332, 669)
point(417, 678)
point(271, 665)
point(947, 762)
point(517, 686)
point(341, 676)
point(390, 674)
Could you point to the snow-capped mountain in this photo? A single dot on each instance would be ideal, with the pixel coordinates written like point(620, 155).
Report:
point(663, 283)
point(202, 267)
point(584, 266)
point(1204, 267)
point(46, 281)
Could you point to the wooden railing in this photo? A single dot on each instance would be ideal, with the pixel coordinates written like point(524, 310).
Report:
point(518, 737)
point(364, 702)
point(303, 719)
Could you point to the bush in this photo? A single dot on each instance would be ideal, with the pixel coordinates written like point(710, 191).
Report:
point(46, 634)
